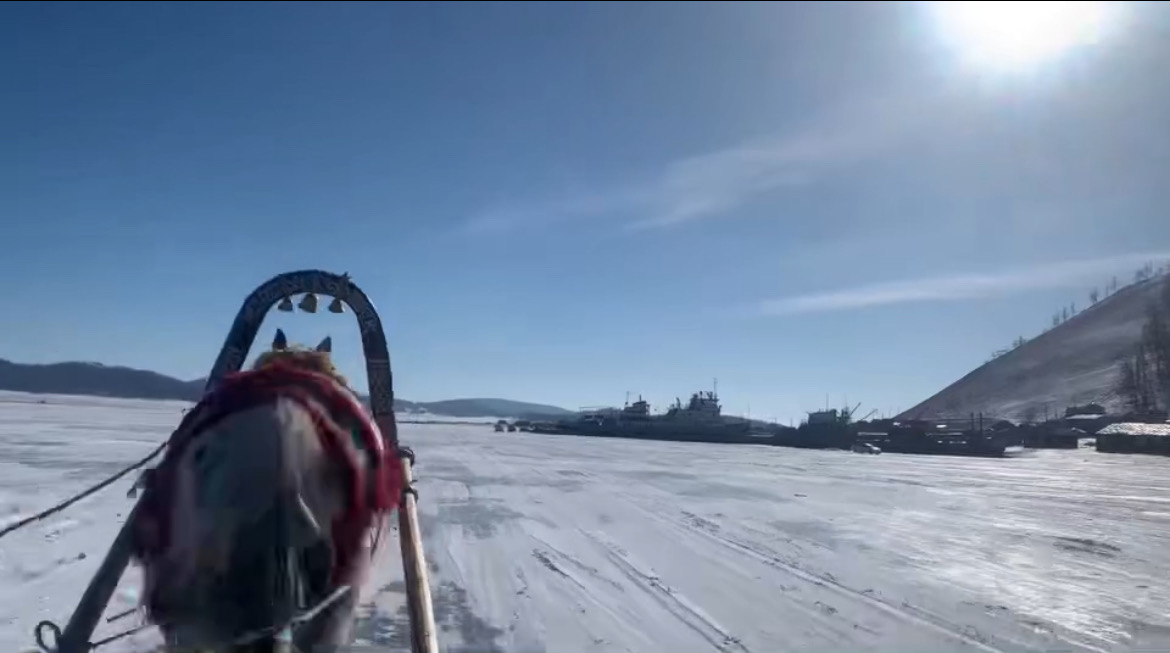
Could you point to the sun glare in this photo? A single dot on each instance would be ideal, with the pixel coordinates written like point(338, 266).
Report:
point(1014, 35)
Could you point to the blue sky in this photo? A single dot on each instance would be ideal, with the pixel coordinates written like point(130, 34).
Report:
point(564, 202)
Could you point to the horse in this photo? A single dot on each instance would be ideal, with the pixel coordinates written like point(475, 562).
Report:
point(258, 528)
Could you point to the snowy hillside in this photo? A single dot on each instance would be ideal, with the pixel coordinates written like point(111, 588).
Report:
point(547, 543)
point(1074, 363)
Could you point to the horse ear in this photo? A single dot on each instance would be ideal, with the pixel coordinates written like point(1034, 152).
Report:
point(326, 345)
point(280, 342)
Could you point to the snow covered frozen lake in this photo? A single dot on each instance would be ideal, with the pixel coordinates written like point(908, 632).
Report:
point(562, 544)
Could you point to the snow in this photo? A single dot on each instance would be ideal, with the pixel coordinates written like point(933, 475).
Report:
point(556, 543)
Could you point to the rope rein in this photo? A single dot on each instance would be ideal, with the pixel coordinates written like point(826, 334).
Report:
point(94, 489)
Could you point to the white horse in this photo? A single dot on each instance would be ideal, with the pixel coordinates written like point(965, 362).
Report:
point(266, 510)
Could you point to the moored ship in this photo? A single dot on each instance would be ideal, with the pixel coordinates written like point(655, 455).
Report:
point(701, 419)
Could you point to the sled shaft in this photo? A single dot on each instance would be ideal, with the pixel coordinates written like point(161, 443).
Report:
point(418, 588)
point(91, 607)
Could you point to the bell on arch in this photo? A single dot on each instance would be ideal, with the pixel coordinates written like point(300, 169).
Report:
point(285, 305)
point(309, 303)
point(336, 306)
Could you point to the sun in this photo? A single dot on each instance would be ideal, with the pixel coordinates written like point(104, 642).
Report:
point(1015, 35)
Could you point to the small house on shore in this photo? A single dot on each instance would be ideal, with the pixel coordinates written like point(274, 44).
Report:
point(1135, 437)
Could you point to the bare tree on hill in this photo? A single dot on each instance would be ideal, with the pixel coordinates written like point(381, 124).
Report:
point(1144, 273)
point(1143, 380)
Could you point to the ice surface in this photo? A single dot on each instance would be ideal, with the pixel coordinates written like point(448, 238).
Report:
point(552, 543)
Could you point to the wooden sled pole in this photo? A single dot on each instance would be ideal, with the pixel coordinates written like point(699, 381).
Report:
point(414, 566)
point(91, 607)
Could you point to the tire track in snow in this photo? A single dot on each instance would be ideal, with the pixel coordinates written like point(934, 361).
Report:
point(827, 616)
point(691, 524)
point(673, 601)
point(905, 612)
point(562, 560)
point(556, 561)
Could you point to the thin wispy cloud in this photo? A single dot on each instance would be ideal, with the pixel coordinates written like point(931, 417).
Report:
point(715, 183)
point(1067, 274)
point(710, 184)
point(508, 218)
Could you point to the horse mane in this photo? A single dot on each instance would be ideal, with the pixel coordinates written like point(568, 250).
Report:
point(303, 358)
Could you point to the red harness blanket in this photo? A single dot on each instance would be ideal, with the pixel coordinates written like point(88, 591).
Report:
point(374, 489)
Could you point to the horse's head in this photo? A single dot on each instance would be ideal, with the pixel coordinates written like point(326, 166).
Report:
point(259, 509)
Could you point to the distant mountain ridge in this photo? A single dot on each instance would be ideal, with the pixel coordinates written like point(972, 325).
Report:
point(95, 379)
